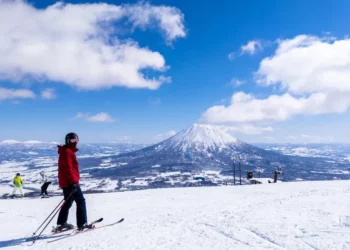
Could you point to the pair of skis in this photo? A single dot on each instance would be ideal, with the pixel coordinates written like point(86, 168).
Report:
point(91, 228)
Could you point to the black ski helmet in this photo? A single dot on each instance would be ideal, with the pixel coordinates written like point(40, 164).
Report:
point(71, 136)
point(18, 174)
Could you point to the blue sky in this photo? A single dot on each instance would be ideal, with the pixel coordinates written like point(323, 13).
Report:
point(62, 71)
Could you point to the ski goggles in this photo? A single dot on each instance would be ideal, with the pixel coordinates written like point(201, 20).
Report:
point(75, 140)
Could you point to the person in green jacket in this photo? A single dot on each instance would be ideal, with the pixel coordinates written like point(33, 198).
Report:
point(17, 182)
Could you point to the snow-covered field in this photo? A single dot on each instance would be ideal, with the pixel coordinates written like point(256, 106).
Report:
point(305, 215)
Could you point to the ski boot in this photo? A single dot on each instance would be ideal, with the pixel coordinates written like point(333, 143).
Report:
point(86, 227)
point(62, 228)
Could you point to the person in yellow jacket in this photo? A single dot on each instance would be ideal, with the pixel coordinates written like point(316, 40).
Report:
point(17, 182)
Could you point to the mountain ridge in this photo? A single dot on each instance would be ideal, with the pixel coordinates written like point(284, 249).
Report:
point(203, 147)
point(198, 147)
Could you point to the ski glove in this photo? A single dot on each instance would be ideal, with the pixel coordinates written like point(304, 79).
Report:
point(74, 188)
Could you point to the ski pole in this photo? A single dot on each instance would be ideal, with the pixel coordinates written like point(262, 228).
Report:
point(47, 217)
point(65, 201)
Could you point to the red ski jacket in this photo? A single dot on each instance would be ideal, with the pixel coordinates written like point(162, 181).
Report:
point(68, 167)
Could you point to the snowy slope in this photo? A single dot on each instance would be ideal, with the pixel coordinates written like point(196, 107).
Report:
point(307, 215)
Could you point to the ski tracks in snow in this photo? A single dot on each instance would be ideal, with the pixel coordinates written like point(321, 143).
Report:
point(305, 216)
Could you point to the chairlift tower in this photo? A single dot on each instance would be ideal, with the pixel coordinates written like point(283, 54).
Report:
point(239, 170)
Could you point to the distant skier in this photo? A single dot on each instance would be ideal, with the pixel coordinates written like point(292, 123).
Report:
point(275, 176)
point(46, 183)
point(17, 182)
point(68, 180)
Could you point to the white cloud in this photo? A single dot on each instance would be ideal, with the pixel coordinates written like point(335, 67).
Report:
point(247, 129)
point(244, 108)
point(231, 56)
point(171, 133)
point(48, 94)
point(100, 117)
point(81, 115)
point(308, 64)
point(77, 43)
point(154, 101)
point(251, 47)
point(169, 19)
point(236, 82)
point(165, 135)
point(314, 72)
point(16, 94)
point(123, 139)
point(268, 138)
point(303, 138)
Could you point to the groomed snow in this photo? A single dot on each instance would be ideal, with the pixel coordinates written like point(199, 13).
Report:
point(306, 215)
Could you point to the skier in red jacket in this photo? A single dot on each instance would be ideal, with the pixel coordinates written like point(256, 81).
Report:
point(68, 180)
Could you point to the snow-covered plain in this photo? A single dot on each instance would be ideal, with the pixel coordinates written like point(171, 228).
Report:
point(304, 215)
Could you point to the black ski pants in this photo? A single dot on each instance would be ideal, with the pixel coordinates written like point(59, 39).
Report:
point(44, 187)
point(79, 199)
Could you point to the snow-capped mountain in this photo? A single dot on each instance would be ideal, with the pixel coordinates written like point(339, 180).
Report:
point(200, 152)
point(205, 147)
point(197, 147)
point(201, 137)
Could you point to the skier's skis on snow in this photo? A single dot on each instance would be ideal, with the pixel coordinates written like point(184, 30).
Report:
point(74, 233)
point(90, 226)
point(55, 232)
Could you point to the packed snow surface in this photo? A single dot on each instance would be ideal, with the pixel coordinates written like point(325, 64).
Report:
point(307, 215)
